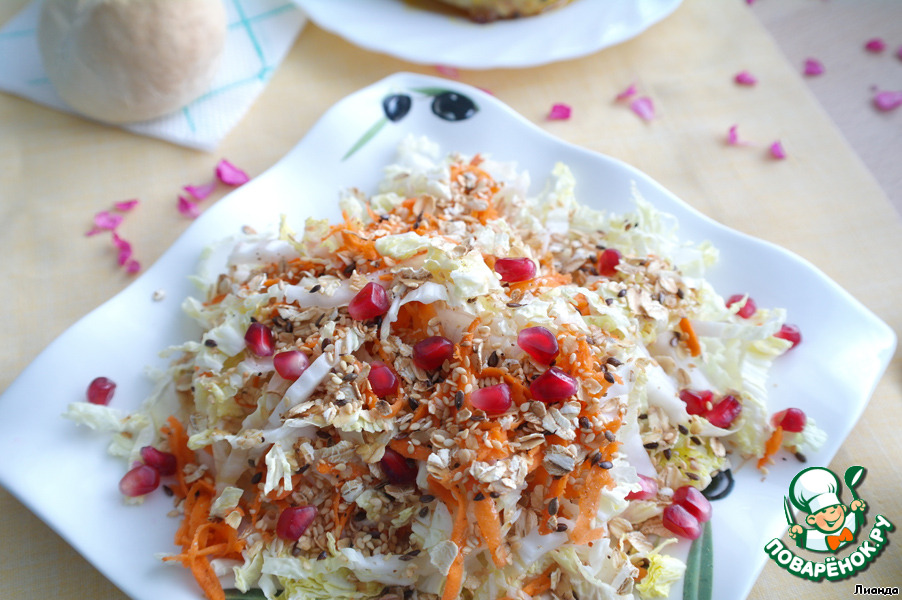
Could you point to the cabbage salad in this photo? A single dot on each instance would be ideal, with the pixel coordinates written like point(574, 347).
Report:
point(459, 391)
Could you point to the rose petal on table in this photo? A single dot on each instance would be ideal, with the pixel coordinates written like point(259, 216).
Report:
point(447, 71)
point(899, 53)
point(875, 45)
point(733, 136)
point(132, 266)
point(644, 107)
point(777, 151)
point(627, 93)
point(188, 208)
point(887, 101)
point(200, 192)
point(813, 67)
point(745, 78)
point(559, 112)
point(229, 174)
point(107, 220)
point(125, 205)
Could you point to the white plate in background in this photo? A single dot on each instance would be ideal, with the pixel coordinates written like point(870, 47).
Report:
point(433, 37)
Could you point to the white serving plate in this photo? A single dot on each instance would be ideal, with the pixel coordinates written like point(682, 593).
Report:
point(63, 474)
point(433, 37)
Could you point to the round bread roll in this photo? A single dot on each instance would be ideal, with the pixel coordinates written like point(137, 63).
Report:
point(122, 61)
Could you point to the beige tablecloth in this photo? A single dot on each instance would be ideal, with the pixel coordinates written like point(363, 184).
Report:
point(56, 171)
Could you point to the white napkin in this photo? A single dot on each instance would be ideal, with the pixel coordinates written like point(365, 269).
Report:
point(260, 33)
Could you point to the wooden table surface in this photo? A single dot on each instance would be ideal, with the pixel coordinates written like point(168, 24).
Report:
point(822, 203)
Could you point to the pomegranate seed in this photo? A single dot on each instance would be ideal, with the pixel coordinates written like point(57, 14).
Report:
point(539, 343)
point(369, 303)
point(163, 462)
point(792, 420)
point(748, 309)
point(608, 261)
point(512, 270)
point(429, 354)
point(290, 364)
point(696, 400)
point(681, 522)
point(790, 333)
point(398, 469)
point(259, 339)
point(694, 502)
point(724, 412)
point(100, 391)
point(294, 521)
point(494, 399)
point(649, 489)
point(382, 379)
point(141, 480)
point(553, 385)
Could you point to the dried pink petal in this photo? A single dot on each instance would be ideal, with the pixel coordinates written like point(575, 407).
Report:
point(749, 2)
point(777, 151)
point(188, 208)
point(627, 93)
point(643, 107)
point(132, 266)
point(813, 67)
point(447, 71)
point(125, 205)
point(229, 174)
point(125, 248)
point(875, 45)
point(886, 101)
point(559, 112)
point(200, 192)
point(107, 220)
point(745, 78)
point(733, 136)
point(899, 53)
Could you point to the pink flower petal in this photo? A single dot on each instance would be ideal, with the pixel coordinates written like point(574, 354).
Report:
point(107, 220)
point(132, 266)
point(749, 2)
point(559, 112)
point(886, 101)
point(627, 93)
point(94, 231)
point(188, 208)
point(447, 71)
point(229, 174)
point(733, 136)
point(121, 243)
point(875, 45)
point(126, 205)
point(813, 67)
point(745, 78)
point(777, 151)
point(899, 53)
point(643, 107)
point(200, 192)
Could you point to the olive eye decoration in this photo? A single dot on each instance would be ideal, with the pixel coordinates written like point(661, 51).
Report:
point(721, 485)
point(446, 105)
point(452, 106)
point(396, 106)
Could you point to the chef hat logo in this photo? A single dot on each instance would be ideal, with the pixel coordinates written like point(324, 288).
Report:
point(815, 488)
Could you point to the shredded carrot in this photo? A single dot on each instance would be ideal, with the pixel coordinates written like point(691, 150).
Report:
point(402, 447)
point(692, 342)
point(771, 447)
point(489, 522)
point(590, 495)
point(541, 583)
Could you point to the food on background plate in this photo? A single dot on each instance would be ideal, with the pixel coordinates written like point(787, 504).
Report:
point(486, 11)
point(122, 61)
point(459, 390)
